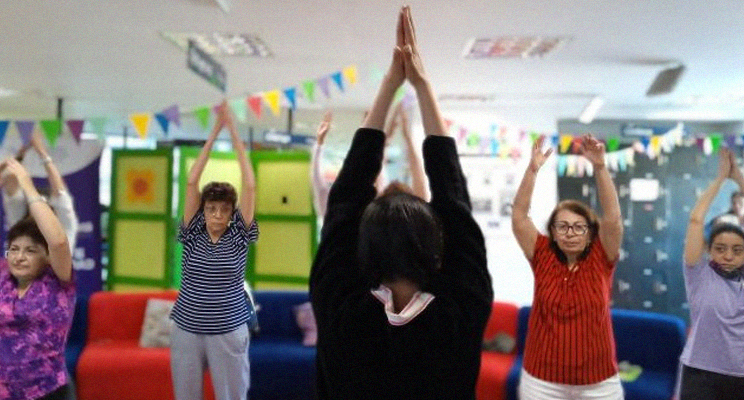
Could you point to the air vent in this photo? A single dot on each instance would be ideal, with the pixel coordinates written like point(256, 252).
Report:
point(513, 46)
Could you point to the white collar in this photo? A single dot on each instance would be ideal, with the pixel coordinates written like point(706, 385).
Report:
point(418, 303)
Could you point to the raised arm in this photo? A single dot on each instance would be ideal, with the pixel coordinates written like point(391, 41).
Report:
point(418, 178)
point(524, 229)
point(611, 221)
point(694, 238)
point(193, 198)
point(248, 179)
point(56, 183)
point(320, 187)
point(60, 256)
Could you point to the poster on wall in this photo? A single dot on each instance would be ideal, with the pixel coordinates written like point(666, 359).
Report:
point(79, 165)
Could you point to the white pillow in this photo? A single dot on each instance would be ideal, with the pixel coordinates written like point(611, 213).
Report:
point(156, 327)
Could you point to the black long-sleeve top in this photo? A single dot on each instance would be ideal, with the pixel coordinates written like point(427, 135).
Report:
point(437, 354)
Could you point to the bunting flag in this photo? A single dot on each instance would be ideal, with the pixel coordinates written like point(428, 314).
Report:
point(3, 129)
point(52, 129)
point(238, 108)
point(25, 129)
point(308, 87)
point(202, 115)
point(290, 94)
point(76, 128)
point(715, 142)
point(272, 100)
point(172, 115)
point(141, 123)
point(323, 83)
point(350, 73)
point(613, 143)
point(163, 121)
point(565, 143)
point(338, 78)
point(562, 165)
point(98, 126)
point(254, 102)
point(707, 146)
point(399, 94)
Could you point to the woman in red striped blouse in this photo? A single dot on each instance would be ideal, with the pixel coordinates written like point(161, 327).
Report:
point(570, 349)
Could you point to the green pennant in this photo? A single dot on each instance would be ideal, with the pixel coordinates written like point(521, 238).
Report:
point(202, 115)
point(308, 88)
point(715, 141)
point(613, 143)
point(534, 136)
point(399, 94)
point(98, 124)
point(52, 129)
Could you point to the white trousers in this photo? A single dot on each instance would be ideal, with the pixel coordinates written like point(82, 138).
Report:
point(531, 388)
point(225, 355)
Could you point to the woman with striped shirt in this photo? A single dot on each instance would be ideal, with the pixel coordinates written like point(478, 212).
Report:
point(211, 312)
point(570, 348)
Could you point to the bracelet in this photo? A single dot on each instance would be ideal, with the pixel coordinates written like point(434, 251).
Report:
point(47, 160)
point(35, 199)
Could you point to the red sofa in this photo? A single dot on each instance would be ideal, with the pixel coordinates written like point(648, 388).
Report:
point(112, 366)
point(495, 367)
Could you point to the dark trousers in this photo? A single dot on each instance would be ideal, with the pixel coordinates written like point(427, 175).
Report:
point(59, 394)
point(698, 384)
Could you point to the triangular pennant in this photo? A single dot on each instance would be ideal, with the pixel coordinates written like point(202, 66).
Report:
point(76, 128)
point(399, 94)
point(571, 161)
point(533, 137)
point(562, 164)
point(239, 108)
point(25, 128)
point(202, 115)
point(254, 102)
point(141, 123)
point(350, 73)
point(272, 100)
point(580, 167)
point(171, 114)
point(494, 146)
point(3, 129)
point(308, 87)
point(339, 79)
point(98, 125)
point(52, 129)
point(566, 143)
point(613, 143)
point(290, 94)
point(323, 83)
point(163, 121)
point(715, 141)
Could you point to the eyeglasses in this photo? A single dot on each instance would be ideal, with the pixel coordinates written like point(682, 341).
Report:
point(16, 252)
point(578, 229)
point(722, 249)
point(214, 209)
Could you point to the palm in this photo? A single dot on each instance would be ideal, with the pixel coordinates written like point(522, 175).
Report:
point(538, 156)
point(593, 149)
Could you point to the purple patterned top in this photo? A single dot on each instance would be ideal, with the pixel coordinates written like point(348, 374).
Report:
point(33, 332)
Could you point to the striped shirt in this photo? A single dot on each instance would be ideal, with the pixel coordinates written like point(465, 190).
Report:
point(212, 299)
point(569, 334)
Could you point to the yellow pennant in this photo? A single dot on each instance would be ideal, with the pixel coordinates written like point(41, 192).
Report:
point(272, 100)
point(350, 73)
point(141, 123)
point(566, 142)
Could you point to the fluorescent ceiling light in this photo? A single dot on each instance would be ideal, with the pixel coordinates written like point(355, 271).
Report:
point(4, 92)
point(221, 44)
point(513, 46)
point(591, 110)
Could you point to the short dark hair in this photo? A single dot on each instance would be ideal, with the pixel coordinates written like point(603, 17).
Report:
point(27, 227)
point(400, 237)
point(219, 191)
point(578, 208)
point(724, 228)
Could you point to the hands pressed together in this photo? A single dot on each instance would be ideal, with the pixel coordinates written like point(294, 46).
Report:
point(406, 58)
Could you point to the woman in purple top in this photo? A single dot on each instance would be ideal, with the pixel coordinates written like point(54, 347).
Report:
point(37, 298)
point(713, 358)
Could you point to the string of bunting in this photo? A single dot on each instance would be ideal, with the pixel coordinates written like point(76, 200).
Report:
point(141, 122)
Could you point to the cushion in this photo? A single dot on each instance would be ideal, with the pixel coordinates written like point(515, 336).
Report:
point(306, 322)
point(156, 326)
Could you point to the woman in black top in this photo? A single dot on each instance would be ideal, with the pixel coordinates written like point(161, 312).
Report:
point(400, 288)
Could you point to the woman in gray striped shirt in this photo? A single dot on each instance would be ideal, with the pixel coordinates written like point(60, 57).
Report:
point(211, 310)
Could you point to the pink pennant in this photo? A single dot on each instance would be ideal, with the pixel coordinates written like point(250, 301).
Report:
point(76, 128)
point(254, 102)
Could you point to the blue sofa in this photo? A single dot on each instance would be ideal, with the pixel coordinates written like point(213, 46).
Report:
point(78, 332)
point(281, 367)
point(650, 340)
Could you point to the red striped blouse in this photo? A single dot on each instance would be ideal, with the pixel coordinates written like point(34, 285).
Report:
point(569, 336)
